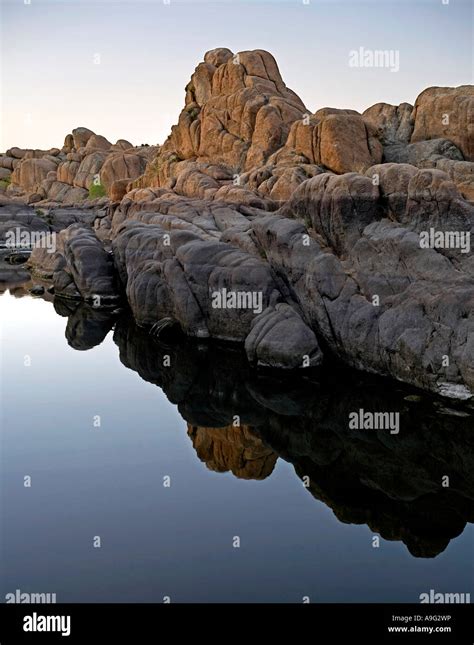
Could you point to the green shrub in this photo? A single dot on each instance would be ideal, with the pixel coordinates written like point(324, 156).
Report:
point(5, 182)
point(97, 190)
point(193, 112)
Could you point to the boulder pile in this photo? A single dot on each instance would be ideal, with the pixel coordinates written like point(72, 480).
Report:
point(305, 236)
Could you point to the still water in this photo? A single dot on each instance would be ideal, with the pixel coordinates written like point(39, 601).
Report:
point(133, 441)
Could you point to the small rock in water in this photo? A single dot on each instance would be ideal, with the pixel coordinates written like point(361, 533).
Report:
point(414, 398)
point(37, 290)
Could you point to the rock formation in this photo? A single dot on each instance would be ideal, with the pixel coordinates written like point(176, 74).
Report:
point(242, 420)
point(306, 236)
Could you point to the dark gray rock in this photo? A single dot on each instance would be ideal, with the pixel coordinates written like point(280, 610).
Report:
point(393, 124)
point(421, 151)
point(280, 338)
point(85, 270)
point(340, 266)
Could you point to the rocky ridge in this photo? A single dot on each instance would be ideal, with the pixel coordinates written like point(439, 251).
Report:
point(313, 220)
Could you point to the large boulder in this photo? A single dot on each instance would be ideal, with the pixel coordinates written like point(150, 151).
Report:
point(90, 169)
point(83, 269)
point(460, 172)
point(80, 137)
point(121, 165)
point(17, 153)
point(347, 144)
point(393, 124)
point(30, 173)
point(97, 142)
point(7, 162)
point(446, 112)
point(340, 140)
point(67, 171)
point(280, 338)
point(121, 144)
point(57, 191)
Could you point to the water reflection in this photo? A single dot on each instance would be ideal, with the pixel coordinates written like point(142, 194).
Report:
point(242, 420)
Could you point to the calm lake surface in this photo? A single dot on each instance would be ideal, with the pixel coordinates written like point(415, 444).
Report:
point(94, 417)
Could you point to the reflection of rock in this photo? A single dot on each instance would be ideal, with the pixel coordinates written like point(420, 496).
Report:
point(392, 482)
point(233, 448)
point(13, 275)
point(86, 326)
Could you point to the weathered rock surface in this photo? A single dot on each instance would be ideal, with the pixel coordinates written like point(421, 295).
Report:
point(89, 169)
point(30, 173)
point(121, 165)
point(264, 344)
point(295, 233)
point(339, 140)
point(66, 176)
point(393, 124)
point(80, 137)
point(16, 218)
point(448, 113)
point(419, 153)
point(82, 269)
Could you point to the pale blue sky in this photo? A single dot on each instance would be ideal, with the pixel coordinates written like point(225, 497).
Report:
point(148, 51)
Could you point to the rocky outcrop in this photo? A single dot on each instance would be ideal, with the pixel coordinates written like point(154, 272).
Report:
point(16, 219)
point(418, 154)
point(339, 140)
point(81, 268)
point(393, 124)
point(264, 344)
point(307, 237)
point(438, 132)
point(121, 166)
point(377, 297)
point(31, 172)
point(82, 172)
point(448, 113)
point(89, 169)
point(180, 268)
